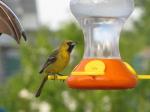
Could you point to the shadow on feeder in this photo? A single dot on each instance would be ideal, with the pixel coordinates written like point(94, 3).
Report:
point(9, 23)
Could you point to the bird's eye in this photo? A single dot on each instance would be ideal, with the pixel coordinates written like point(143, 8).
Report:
point(69, 43)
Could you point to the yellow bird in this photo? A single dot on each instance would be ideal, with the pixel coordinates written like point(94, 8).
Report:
point(56, 62)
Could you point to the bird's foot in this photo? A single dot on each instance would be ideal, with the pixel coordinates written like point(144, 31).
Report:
point(57, 77)
point(53, 76)
point(60, 74)
point(63, 81)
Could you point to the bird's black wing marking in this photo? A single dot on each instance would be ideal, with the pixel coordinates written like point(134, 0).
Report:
point(52, 58)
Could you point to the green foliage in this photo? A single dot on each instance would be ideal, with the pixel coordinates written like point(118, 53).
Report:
point(17, 94)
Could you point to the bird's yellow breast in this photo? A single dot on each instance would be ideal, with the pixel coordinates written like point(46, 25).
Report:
point(60, 63)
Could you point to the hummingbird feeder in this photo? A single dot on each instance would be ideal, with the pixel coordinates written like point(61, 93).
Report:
point(102, 66)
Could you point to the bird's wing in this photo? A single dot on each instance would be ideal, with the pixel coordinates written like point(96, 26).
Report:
point(51, 59)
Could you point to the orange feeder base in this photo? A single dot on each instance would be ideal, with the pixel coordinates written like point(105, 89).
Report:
point(102, 74)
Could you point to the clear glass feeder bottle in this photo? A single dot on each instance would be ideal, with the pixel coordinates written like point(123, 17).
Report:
point(101, 22)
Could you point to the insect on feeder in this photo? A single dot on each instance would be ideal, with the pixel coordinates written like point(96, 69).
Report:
point(102, 66)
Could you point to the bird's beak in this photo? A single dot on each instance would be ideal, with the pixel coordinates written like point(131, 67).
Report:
point(73, 43)
point(9, 23)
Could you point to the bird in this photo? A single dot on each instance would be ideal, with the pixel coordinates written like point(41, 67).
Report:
point(56, 62)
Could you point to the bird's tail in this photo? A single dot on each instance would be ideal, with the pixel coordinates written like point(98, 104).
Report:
point(38, 93)
point(41, 71)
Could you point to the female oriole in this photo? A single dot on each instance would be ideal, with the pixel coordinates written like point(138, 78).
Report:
point(56, 62)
